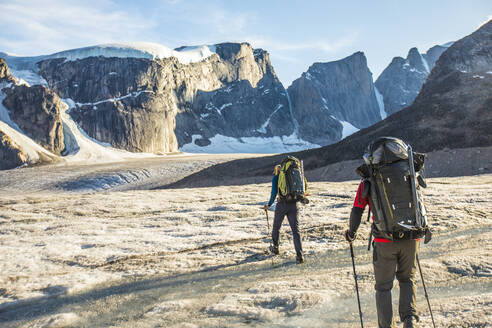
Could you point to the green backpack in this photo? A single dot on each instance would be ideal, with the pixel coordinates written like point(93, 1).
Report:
point(292, 185)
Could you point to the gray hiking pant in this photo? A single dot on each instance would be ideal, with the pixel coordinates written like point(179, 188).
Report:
point(281, 210)
point(390, 259)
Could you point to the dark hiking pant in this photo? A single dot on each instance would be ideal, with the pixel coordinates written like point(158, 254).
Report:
point(281, 210)
point(390, 259)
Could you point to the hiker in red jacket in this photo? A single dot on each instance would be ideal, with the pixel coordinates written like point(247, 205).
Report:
point(394, 251)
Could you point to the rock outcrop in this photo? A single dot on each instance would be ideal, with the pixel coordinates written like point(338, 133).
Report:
point(145, 105)
point(401, 81)
point(4, 72)
point(11, 155)
point(332, 93)
point(36, 111)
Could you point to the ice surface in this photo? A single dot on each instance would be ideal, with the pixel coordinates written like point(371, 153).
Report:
point(195, 53)
point(147, 258)
point(379, 98)
point(28, 77)
point(146, 50)
point(253, 145)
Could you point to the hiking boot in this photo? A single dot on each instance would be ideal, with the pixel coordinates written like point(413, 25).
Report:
point(299, 259)
point(274, 250)
point(410, 322)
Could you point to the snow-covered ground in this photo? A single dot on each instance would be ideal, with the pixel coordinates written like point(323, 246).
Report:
point(195, 257)
point(253, 145)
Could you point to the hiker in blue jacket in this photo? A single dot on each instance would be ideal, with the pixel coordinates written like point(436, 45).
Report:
point(282, 209)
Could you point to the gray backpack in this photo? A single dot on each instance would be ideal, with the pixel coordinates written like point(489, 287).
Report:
point(392, 178)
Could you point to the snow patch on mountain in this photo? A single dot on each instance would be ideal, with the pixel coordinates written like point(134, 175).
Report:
point(26, 144)
point(253, 145)
point(81, 147)
point(379, 98)
point(447, 44)
point(195, 53)
point(348, 129)
point(424, 62)
point(262, 129)
point(134, 94)
point(28, 77)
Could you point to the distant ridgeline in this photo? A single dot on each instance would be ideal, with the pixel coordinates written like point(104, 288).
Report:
point(95, 102)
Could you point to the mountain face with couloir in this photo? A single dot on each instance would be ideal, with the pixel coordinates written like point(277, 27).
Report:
point(400, 82)
point(452, 110)
point(332, 100)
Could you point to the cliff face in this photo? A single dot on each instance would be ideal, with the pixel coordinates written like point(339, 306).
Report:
point(453, 110)
point(157, 105)
point(36, 111)
point(11, 155)
point(249, 102)
point(329, 95)
point(4, 72)
point(401, 81)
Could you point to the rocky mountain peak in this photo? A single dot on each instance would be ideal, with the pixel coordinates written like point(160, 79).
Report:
point(331, 100)
point(416, 61)
point(433, 54)
point(36, 110)
point(468, 55)
point(402, 80)
point(5, 72)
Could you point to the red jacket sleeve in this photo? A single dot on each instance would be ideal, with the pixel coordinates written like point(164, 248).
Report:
point(360, 201)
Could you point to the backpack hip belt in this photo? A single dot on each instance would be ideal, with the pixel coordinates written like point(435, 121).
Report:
point(404, 235)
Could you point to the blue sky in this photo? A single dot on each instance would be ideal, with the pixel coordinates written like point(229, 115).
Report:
point(296, 33)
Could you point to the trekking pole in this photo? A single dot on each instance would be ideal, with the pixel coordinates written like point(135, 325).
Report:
point(425, 291)
point(268, 232)
point(356, 284)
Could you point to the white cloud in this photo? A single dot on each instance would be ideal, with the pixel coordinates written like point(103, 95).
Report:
point(325, 46)
point(46, 26)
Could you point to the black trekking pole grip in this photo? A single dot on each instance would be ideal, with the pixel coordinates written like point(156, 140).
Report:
point(268, 221)
point(356, 284)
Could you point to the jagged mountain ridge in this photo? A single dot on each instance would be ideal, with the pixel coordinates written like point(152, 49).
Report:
point(331, 98)
point(155, 103)
point(453, 110)
point(154, 99)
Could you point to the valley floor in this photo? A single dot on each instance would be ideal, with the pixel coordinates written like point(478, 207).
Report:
point(195, 257)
